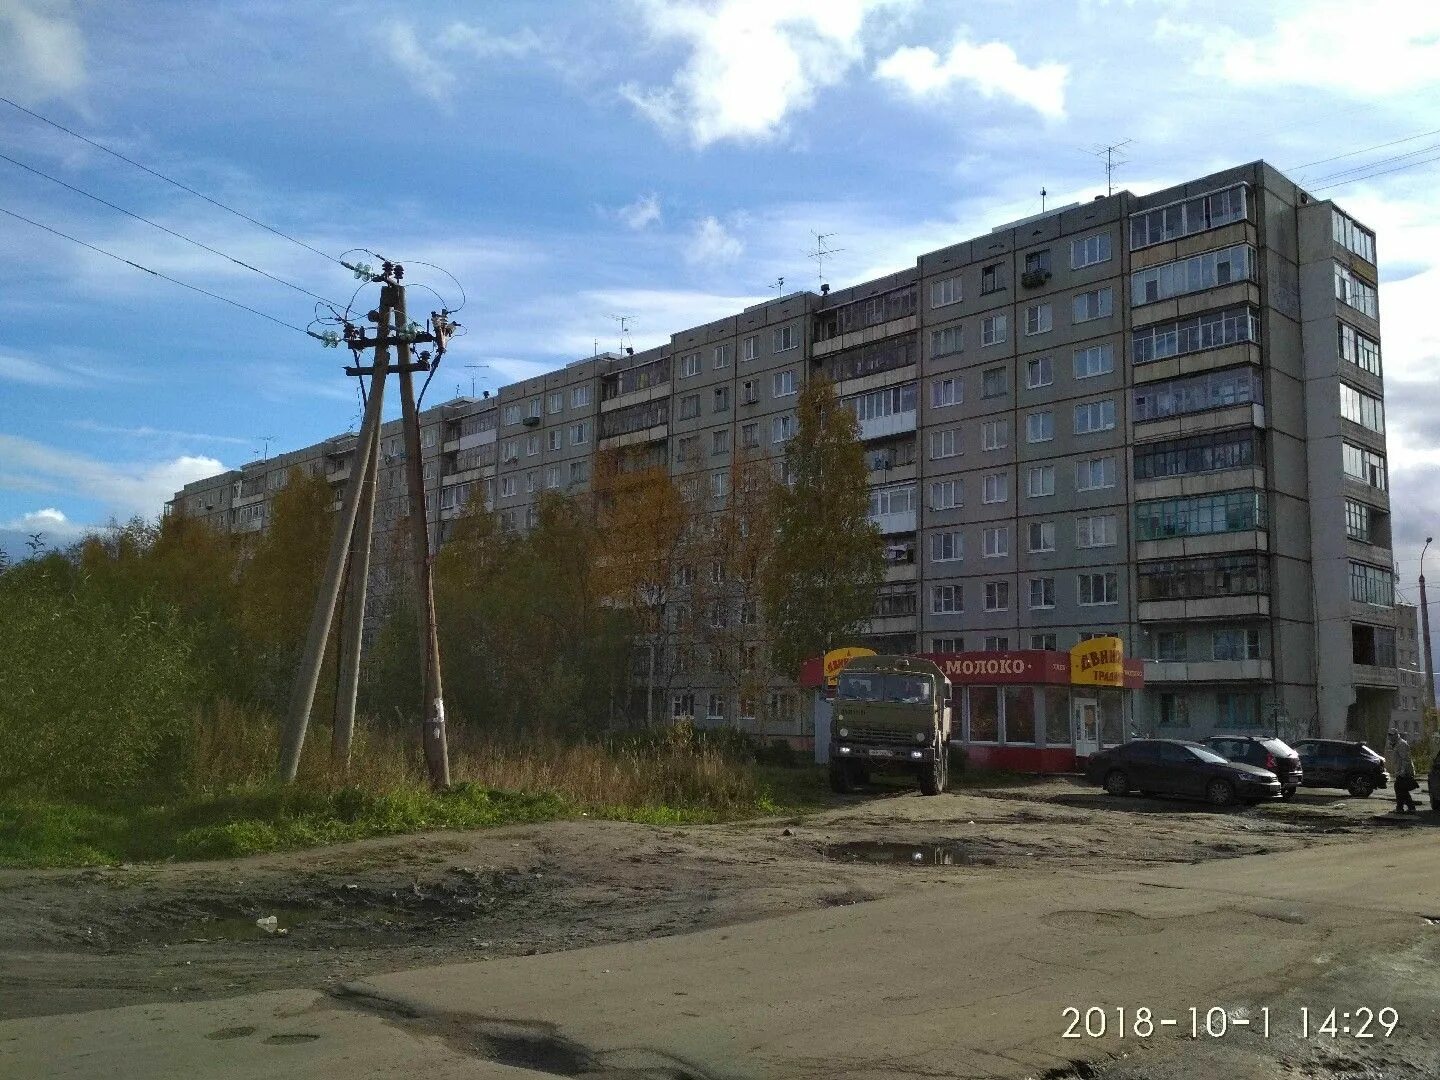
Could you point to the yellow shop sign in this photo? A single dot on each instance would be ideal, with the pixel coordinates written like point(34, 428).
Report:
point(1098, 662)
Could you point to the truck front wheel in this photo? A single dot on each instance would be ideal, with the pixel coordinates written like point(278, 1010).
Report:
point(842, 777)
point(935, 774)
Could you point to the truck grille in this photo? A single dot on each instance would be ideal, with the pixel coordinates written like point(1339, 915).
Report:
point(880, 735)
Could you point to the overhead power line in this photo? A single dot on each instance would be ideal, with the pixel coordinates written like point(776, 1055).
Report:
point(1381, 172)
point(168, 179)
point(154, 273)
point(171, 232)
point(1391, 159)
point(1364, 150)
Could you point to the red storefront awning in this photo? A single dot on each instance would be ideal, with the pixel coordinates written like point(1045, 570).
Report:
point(1020, 666)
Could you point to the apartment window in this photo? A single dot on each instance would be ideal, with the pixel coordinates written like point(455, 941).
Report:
point(997, 596)
point(993, 383)
point(1201, 515)
point(720, 356)
point(995, 541)
point(1039, 372)
point(1098, 589)
point(992, 330)
point(683, 705)
point(1094, 360)
point(947, 546)
point(1170, 647)
point(944, 443)
point(554, 401)
point(532, 445)
point(750, 436)
point(552, 477)
point(722, 399)
point(946, 391)
point(1372, 585)
point(1172, 710)
point(949, 339)
point(687, 448)
point(1095, 416)
point(530, 482)
point(1095, 530)
point(554, 439)
point(782, 383)
point(947, 599)
point(1187, 217)
point(579, 471)
point(1047, 643)
point(1039, 319)
point(1095, 304)
point(1042, 593)
point(1357, 521)
point(892, 500)
point(1180, 337)
point(1360, 350)
point(992, 278)
point(507, 486)
point(1240, 644)
point(689, 406)
point(719, 486)
point(579, 397)
point(947, 494)
point(1367, 466)
point(784, 339)
point(998, 642)
point(532, 408)
point(1195, 274)
point(945, 292)
point(1198, 393)
point(750, 347)
point(1037, 262)
point(994, 434)
point(1041, 481)
point(891, 401)
point(1204, 576)
point(1237, 711)
point(1089, 250)
point(947, 644)
point(1041, 536)
point(782, 428)
point(512, 414)
point(749, 392)
point(580, 433)
point(427, 473)
point(1040, 426)
point(1094, 473)
point(995, 488)
point(720, 441)
point(1361, 408)
point(430, 437)
point(689, 365)
point(1352, 236)
point(715, 707)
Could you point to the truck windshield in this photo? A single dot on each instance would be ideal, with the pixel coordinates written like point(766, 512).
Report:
point(868, 686)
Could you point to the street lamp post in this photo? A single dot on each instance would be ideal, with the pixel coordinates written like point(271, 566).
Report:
point(1425, 630)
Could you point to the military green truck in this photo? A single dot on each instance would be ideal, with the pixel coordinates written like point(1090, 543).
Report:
point(890, 713)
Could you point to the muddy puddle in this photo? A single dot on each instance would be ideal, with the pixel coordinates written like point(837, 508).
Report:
point(893, 853)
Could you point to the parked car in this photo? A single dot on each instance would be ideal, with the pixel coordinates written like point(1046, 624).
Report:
point(1173, 767)
point(1340, 764)
point(1268, 753)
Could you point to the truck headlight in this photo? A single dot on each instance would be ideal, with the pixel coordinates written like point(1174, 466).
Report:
point(844, 733)
point(922, 737)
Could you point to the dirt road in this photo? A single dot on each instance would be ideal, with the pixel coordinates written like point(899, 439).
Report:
point(765, 949)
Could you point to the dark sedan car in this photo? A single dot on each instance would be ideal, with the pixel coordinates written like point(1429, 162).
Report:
point(1172, 767)
point(1268, 753)
point(1336, 763)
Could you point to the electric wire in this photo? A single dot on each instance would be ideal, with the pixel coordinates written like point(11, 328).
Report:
point(163, 228)
point(1365, 150)
point(169, 180)
point(1430, 149)
point(1381, 172)
point(154, 273)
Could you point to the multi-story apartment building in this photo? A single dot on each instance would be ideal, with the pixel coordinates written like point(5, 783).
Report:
point(1159, 417)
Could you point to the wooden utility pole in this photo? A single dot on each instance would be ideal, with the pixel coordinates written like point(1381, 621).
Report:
point(437, 755)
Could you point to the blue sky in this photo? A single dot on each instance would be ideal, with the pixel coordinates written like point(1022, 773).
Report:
point(566, 162)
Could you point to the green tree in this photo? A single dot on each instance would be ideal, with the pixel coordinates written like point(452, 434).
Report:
point(819, 583)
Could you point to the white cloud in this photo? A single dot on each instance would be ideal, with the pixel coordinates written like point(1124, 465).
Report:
point(1385, 47)
point(428, 64)
point(712, 243)
point(147, 432)
point(643, 212)
point(751, 62)
point(58, 529)
point(993, 70)
point(22, 369)
point(122, 489)
point(42, 52)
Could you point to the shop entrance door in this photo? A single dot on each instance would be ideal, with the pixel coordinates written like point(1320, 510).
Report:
point(1087, 727)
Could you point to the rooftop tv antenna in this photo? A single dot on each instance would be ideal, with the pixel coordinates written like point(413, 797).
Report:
point(778, 285)
point(624, 321)
point(471, 367)
point(267, 440)
point(822, 252)
point(1114, 158)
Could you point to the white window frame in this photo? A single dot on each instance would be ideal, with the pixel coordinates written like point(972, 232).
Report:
point(555, 402)
point(947, 340)
point(1039, 319)
point(939, 398)
point(689, 365)
point(1104, 409)
point(1040, 483)
point(947, 545)
point(1041, 366)
point(994, 434)
point(1090, 361)
point(1047, 593)
point(945, 443)
point(994, 329)
point(784, 383)
point(750, 348)
point(1107, 578)
point(997, 596)
point(995, 488)
point(1096, 531)
point(1047, 536)
point(580, 433)
point(783, 339)
point(1092, 304)
point(1090, 250)
point(1040, 426)
point(995, 542)
point(720, 356)
point(579, 397)
point(1085, 473)
point(947, 599)
point(946, 291)
point(947, 494)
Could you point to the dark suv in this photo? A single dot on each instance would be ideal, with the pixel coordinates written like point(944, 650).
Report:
point(1268, 753)
point(1336, 763)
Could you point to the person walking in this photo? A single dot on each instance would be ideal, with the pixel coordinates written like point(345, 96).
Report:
point(1403, 771)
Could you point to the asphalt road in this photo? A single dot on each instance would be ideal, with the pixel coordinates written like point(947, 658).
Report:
point(936, 981)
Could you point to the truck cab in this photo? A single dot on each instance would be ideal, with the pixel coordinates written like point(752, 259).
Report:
point(890, 713)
